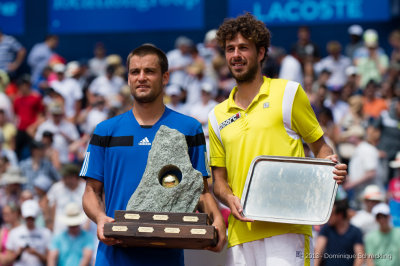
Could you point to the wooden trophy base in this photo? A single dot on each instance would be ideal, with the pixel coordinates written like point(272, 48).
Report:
point(162, 229)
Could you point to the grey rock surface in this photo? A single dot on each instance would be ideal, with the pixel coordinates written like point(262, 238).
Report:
point(169, 151)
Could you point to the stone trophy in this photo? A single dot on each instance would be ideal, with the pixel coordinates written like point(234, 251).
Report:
point(161, 211)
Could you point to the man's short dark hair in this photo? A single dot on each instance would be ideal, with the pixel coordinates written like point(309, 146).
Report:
point(341, 207)
point(250, 28)
point(51, 36)
point(147, 49)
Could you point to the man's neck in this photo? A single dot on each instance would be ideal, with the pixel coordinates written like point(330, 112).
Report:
point(147, 114)
point(247, 91)
point(342, 227)
point(385, 229)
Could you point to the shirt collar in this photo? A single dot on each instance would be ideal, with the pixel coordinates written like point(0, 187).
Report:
point(264, 90)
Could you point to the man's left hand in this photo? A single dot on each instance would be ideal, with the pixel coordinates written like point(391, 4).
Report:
point(219, 225)
point(340, 171)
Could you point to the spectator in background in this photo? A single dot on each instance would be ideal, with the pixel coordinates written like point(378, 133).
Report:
point(64, 132)
point(41, 185)
point(11, 183)
point(27, 243)
point(371, 60)
point(208, 50)
point(28, 108)
point(50, 153)
point(9, 131)
point(355, 33)
point(93, 114)
point(394, 40)
point(7, 153)
point(4, 80)
point(37, 164)
point(336, 63)
point(394, 191)
point(108, 86)
point(383, 241)
point(42, 83)
point(291, 68)
point(352, 78)
point(363, 218)
point(334, 102)
point(193, 83)
point(372, 105)
point(272, 64)
point(6, 103)
point(363, 165)
point(174, 93)
point(69, 189)
point(307, 51)
point(11, 215)
point(40, 55)
point(70, 89)
point(339, 237)
point(322, 79)
point(389, 141)
point(98, 64)
point(116, 61)
point(388, 91)
point(179, 59)
point(12, 54)
point(201, 109)
point(325, 119)
point(73, 246)
point(355, 116)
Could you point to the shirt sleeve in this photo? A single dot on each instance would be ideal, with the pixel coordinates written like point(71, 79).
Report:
point(54, 243)
point(52, 194)
point(93, 164)
point(369, 243)
point(324, 231)
point(16, 46)
point(217, 151)
point(198, 152)
point(89, 241)
point(304, 120)
point(11, 244)
point(358, 237)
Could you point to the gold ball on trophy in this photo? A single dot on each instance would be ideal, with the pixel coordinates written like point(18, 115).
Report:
point(170, 181)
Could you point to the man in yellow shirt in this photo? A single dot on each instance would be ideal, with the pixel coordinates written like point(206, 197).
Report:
point(261, 117)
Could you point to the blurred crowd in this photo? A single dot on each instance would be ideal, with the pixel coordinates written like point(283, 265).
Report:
point(47, 117)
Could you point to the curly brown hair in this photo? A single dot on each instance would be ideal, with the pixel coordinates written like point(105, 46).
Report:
point(250, 28)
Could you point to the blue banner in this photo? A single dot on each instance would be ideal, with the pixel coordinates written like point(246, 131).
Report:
point(90, 16)
point(12, 16)
point(294, 12)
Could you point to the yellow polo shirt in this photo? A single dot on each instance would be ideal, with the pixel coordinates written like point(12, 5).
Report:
point(273, 124)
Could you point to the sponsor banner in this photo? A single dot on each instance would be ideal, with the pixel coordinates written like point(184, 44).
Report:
point(295, 12)
point(86, 16)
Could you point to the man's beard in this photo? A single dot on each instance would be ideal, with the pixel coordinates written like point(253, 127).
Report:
point(149, 98)
point(247, 76)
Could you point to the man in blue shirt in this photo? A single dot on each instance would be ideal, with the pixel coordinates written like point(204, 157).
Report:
point(12, 53)
point(40, 55)
point(74, 246)
point(339, 242)
point(117, 155)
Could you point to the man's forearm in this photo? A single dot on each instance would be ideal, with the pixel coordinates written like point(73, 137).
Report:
point(221, 187)
point(86, 258)
point(207, 203)
point(93, 204)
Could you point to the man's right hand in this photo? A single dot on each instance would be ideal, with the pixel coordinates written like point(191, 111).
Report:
point(109, 241)
point(237, 209)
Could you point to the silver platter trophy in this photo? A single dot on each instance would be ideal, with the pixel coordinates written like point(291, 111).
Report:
point(289, 190)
